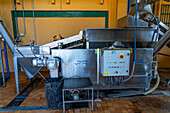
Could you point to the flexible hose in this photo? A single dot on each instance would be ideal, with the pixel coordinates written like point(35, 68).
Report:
point(133, 70)
point(156, 85)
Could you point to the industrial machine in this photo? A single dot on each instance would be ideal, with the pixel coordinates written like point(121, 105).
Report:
point(120, 58)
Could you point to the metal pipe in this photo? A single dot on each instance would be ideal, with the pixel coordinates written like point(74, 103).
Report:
point(6, 60)
point(35, 35)
point(98, 75)
point(23, 17)
point(7, 36)
point(98, 64)
point(162, 42)
point(16, 19)
point(2, 66)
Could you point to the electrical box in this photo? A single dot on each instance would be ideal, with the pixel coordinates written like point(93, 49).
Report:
point(115, 62)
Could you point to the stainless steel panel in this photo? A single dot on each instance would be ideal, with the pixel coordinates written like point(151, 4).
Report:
point(80, 63)
point(118, 34)
point(28, 69)
point(7, 35)
point(144, 58)
point(129, 21)
point(165, 39)
point(143, 1)
point(76, 62)
point(113, 65)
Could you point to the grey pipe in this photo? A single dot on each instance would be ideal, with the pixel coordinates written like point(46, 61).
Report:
point(4, 31)
point(35, 35)
point(2, 66)
point(23, 17)
point(162, 42)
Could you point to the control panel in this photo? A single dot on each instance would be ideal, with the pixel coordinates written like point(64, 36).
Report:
point(115, 62)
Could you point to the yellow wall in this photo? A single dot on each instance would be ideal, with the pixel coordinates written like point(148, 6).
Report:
point(122, 8)
point(0, 7)
point(47, 28)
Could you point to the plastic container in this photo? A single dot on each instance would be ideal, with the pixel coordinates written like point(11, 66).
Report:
point(53, 89)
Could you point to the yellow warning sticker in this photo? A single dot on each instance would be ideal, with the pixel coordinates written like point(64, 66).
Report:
point(106, 73)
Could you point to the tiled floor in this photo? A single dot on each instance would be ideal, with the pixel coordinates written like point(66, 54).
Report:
point(140, 104)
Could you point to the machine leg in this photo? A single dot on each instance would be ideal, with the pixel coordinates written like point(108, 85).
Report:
point(16, 73)
point(63, 101)
point(92, 100)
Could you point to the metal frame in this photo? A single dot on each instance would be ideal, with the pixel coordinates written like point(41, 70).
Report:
point(164, 14)
point(6, 63)
point(65, 102)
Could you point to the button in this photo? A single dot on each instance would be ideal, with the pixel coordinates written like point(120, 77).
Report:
point(116, 72)
point(114, 66)
point(121, 56)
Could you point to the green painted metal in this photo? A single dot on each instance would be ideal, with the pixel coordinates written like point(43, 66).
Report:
point(63, 13)
point(106, 19)
point(154, 8)
point(14, 24)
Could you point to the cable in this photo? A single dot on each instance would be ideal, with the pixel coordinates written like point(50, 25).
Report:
point(134, 60)
point(34, 22)
point(133, 70)
point(135, 30)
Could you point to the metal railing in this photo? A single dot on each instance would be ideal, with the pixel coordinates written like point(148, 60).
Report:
point(165, 14)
